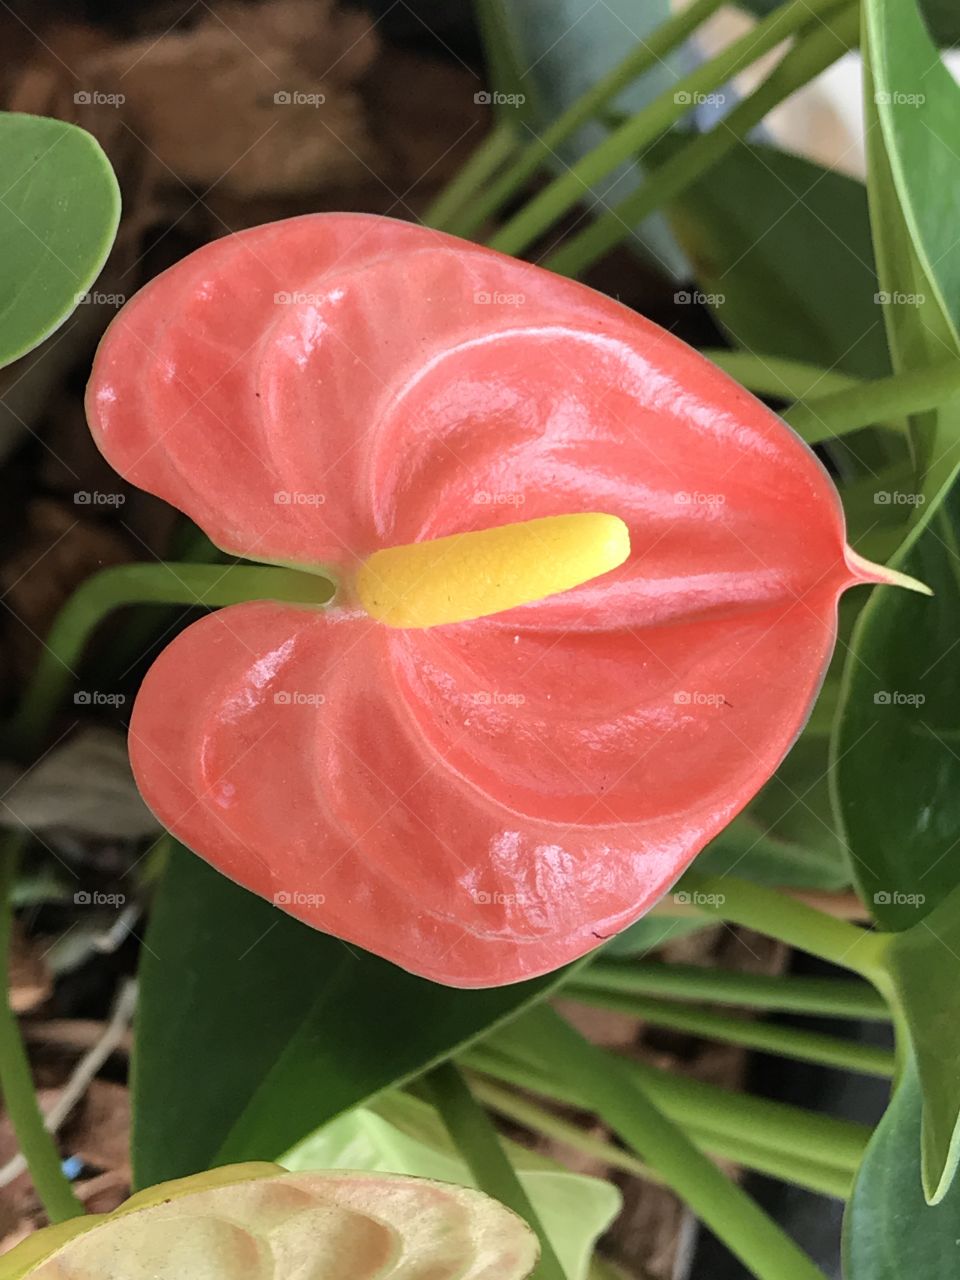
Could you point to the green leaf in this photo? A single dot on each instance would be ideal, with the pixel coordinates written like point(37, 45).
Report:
point(401, 1134)
point(59, 210)
point(783, 245)
point(912, 105)
point(942, 16)
point(889, 1230)
point(896, 775)
point(259, 1222)
point(253, 1029)
point(923, 964)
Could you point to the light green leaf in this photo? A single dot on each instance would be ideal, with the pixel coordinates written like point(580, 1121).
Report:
point(401, 1134)
point(59, 210)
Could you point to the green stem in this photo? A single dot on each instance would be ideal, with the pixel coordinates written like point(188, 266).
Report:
point(471, 178)
point(622, 1102)
point(824, 997)
point(785, 1166)
point(779, 916)
point(547, 1124)
point(713, 1116)
point(641, 130)
point(205, 585)
point(20, 1099)
point(647, 54)
point(787, 1042)
point(477, 1141)
point(878, 401)
point(777, 377)
point(829, 39)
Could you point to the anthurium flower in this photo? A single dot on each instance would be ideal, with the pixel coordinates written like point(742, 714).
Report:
point(258, 1222)
point(491, 751)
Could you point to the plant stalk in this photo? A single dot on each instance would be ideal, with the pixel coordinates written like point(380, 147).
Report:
point(541, 148)
point(477, 1140)
point(830, 37)
point(643, 129)
point(766, 1037)
point(822, 997)
point(19, 1096)
point(193, 585)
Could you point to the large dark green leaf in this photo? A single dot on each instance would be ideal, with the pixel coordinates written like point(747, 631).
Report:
point(59, 209)
point(786, 245)
point(897, 784)
point(890, 1232)
point(912, 107)
point(253, 1029)
point(923, 964)
point(896, 776)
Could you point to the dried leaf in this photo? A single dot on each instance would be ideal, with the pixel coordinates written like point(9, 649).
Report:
point(256, 1222)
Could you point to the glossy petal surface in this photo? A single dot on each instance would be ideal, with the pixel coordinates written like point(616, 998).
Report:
point(479, 802)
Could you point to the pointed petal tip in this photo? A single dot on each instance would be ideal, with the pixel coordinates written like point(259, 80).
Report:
point(883, 575)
